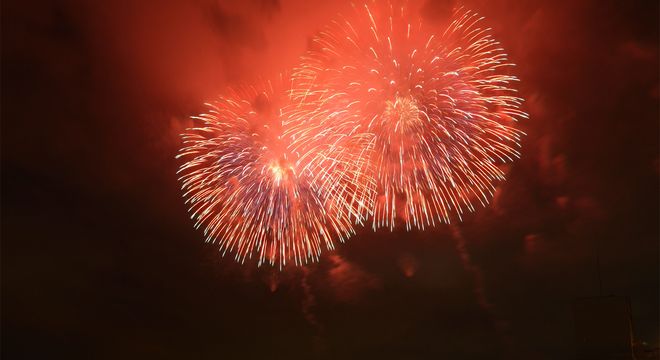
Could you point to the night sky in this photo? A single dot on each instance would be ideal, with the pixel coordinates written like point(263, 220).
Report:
point(100, 259)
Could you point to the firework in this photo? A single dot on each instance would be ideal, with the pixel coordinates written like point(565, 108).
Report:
point(255, 195)
point(434, 108)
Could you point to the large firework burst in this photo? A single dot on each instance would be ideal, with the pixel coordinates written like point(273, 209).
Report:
point(252, 193)
point(436, 108)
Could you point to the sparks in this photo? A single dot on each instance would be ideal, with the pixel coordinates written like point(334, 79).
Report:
point(251, 193)
point(387, 119)
point(436, 111)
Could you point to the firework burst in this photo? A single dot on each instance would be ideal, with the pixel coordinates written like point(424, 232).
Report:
point(252, 192)
point(435, 109)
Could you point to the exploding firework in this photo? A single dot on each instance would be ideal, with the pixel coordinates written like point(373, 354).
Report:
point(252, 193)
point(435, 109)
